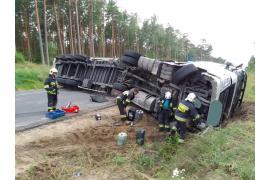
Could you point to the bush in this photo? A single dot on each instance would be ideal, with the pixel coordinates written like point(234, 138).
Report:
point(251, 64)
point(30, 76)
point(19, 57)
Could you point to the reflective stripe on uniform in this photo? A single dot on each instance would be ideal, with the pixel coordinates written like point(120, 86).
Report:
point(197, 117)
point(53, 83)
point(180, 119)
point(174, 128)
point(118, 99)
point(167, 126)
point(161, 125)
point(182, 108)
point(46, 86)
point(51, 92)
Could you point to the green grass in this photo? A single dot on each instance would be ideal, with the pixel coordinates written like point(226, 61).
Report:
point(225, 153)
point(250, 88)
point(30, 76)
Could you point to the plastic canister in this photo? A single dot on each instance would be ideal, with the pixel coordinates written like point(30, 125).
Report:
point(131, 114)
point(140, 134)
point(121, 138)
point(138, 114)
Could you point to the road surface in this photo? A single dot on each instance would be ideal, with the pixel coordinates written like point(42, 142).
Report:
point(31, 106)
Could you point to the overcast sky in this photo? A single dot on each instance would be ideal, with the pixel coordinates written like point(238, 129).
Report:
point(228, 25)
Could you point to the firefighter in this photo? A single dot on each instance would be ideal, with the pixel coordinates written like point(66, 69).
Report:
point(184, 112)
point(124, 100)
point(50, 86)
point(166, 109)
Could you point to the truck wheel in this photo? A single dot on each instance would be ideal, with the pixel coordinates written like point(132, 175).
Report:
point(132, 54)
point(129, 60)
point(120, 87)
point(183, 72)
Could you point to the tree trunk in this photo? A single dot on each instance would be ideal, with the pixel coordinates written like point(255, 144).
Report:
point(78, 27)
point(62, 29)
point(25, 25)
point(103, 37)
point(113, 36)
point(99, 45)
point(46, 33)
point(70, 29)
point(82, 35)
point(28, 39)
point(74, 35)
point(91, 40)
point(58, 28)
point(39, 33)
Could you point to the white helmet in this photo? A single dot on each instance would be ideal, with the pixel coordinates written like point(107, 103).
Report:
point(191, 97)
point(53, 70)
point(168, 95)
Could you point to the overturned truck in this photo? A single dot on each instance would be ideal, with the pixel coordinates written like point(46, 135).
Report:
point(211, 82)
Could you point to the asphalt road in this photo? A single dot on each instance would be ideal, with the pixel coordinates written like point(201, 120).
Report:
point(31, 106)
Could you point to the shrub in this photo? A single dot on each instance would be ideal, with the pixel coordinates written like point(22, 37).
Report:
point(19, 57)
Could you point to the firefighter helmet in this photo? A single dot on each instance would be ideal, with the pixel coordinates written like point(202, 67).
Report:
point(168, 95)
point(53, 70)
point(191, 97)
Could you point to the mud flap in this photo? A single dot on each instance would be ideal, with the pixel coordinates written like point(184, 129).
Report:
point(214, 113)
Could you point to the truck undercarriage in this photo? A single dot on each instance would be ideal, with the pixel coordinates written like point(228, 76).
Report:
point(155, 77)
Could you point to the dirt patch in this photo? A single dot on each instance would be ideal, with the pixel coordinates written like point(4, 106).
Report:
point(245, 112)
point(40, 151)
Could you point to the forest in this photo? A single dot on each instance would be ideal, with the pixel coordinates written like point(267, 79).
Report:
point(97, 28)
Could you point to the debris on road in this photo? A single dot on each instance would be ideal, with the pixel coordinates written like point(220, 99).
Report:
point(77, 174)
point(98, 117)
point(98, 98)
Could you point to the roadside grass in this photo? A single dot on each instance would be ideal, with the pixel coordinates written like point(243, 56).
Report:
point(250, 88)
point(30, 76)
point(225, 153)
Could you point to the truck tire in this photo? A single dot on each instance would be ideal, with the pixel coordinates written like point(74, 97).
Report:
point(129, 60)
point(183, 72)
point(132, 54)
point(120, 87)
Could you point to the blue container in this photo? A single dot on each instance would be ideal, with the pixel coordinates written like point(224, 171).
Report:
point(55, 114)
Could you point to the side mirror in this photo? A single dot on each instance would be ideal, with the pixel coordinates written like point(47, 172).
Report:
point(214, 113)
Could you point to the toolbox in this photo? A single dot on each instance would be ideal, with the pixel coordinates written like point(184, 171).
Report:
point(55, 114)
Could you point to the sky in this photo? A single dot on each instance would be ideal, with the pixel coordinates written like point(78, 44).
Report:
point(228, 25)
